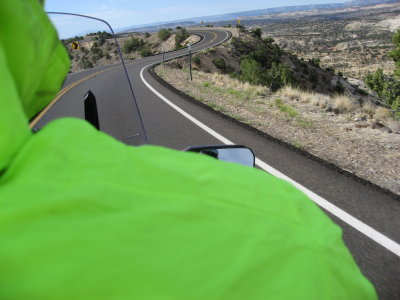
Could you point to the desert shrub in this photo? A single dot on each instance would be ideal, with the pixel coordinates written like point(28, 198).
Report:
point(330, 69)
point(144, 52)
point(382, 113)
point(164, 34)
point(132, 45)
point(220, 63)
point(369, 109)
point(395, 54)
point(313, 77)
point(339, 88)
point(315, 61)
point(344, 104)
point(257, 32)
point(147, 35)
point(293, 93)
point(388, 86)
point(278, 75)
point(85, 64)
point(196, 60)
point(290, 93)
point(210, 51)
point(180, 36)
point(241, 27)
point(108, 56)
point(250, 71)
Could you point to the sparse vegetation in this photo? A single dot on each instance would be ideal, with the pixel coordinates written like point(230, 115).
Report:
point(261, 63)
point(257, 32)
point(196, 60)
point(388, 86)
point(144, 52)
point(382, 113)
point(297, 145)
point(220, 63)
point(301, 88)
point(133, 44)
point(369, 109)
point(164, 34)
point(180, 36)
point(288, 110)
point(344, 104)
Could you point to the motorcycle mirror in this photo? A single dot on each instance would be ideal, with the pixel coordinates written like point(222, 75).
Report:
point(229, 153)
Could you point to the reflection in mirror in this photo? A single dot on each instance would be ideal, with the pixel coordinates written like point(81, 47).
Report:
point(232, 153)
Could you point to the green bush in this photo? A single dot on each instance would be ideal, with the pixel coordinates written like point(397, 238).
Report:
point(339, 88)
point(164, 34)
point(180, 36)
point(145, 52)
point(387, 87)
point(395, 54)
point(220, 63)
point(250, 71)
point(257, 32)
point(132, 45)
point(196, 60)
point(261, 63)
point(147, 35)
point(315, 61)
point(85, 64)
point(313, 77)
point(288, 110)
point(278, 75)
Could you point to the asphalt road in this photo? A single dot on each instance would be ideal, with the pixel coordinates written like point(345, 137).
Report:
point(371, 210)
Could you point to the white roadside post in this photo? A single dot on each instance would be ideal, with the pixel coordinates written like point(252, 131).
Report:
point(163, 54)
point(190, 61)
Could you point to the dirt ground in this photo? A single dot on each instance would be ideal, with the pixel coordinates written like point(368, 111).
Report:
point(346, 140)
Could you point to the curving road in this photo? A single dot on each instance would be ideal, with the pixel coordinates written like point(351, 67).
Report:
point(368, 216)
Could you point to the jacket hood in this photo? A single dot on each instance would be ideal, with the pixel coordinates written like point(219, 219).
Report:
point(33, 65)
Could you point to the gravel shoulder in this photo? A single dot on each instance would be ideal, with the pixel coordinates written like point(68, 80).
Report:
point(345, 140)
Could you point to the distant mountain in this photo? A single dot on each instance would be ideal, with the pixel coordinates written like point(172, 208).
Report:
point(254, 13)
point(156, 26)
point(368, 2)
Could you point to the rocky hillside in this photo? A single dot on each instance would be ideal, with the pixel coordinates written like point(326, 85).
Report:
point(99, 49)
point(262, 62)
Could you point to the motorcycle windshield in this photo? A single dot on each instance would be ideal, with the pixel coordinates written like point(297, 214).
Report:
point(97, 65)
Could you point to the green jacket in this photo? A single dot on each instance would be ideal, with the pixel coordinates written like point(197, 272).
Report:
point(83, 216)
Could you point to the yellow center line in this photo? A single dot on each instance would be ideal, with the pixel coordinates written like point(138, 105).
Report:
point(62, 93)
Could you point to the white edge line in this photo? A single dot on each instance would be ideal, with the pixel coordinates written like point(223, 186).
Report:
point(373, 234)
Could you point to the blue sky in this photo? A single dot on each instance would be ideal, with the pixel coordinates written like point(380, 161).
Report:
point(123, 13)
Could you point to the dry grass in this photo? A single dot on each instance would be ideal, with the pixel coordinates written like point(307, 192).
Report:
point(290, 92)
point(344, 104)
point(369, 108)
point(296, 94)
point(382, 113)
point(323, 101)
point(229, 83)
